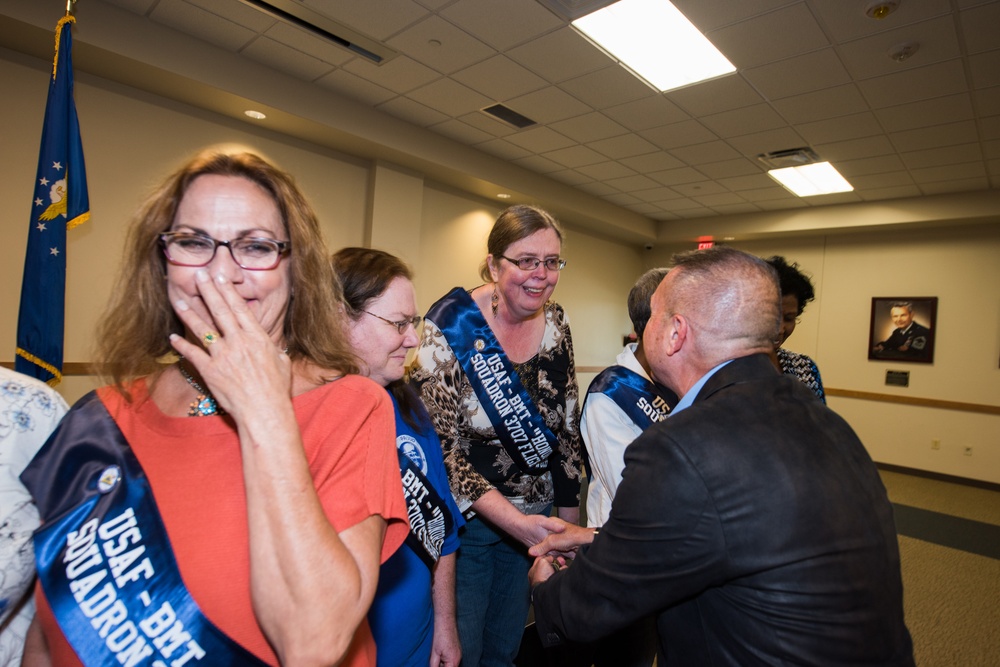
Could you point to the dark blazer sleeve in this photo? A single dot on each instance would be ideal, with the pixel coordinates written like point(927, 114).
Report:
point(663, 543)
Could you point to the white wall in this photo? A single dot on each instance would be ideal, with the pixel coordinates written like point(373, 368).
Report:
point(960, 266)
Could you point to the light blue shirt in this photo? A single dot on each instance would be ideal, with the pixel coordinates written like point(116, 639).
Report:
point(692, 393)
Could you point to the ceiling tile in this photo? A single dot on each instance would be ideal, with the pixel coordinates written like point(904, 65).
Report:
point(937, 111)
point(979, 27)
point(822, 104)
point(355, 87)
point(449, 97)
point(801, 74)
point(955, 172)
point(782, 33)
point(548, 105)
point(575, 156)
point(678, 134)
point(401, 74)
point(540, 140)
point(715, 96)
point(559, 55)
point(749, 182)
point(504, 149)
point(378, 19)
point(847, 21)
point(606, 171)
point(589, 127)
point(839, 129)
point(854, 149)
point(945, 155)
point(868, 58)
point(412, 111)
point(286, 59)
point(499, 78)
point(871, 165)
point(957, 185)
point(502, 24)
point(730, 168)
point(646, 113)
point(921, 83)
point(607, 87)
point(222, 32)
point(660, 161)
point(743, 121)
point(674, 177)
point(752, 145)
point(933, 137)
point(488, 123)
point(985, 68)
point(571, 177)
point(626, 145)
point(440, 45)
point(632, 183)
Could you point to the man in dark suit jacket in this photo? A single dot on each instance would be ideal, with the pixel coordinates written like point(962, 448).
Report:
point(752, 521)
point(909, 339)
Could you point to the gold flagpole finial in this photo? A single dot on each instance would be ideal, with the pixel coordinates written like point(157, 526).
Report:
point(69, 7)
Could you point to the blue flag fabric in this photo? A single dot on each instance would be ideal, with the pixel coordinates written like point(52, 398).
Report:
point(60, 202)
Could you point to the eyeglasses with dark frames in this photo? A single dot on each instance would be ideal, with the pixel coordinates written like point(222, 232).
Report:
point(402, 325)
point(251, 253)
point(531, 263)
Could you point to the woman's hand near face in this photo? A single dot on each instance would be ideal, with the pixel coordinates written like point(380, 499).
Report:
point(245, 371)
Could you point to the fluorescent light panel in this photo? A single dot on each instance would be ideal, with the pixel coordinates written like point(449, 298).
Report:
point(656, 42)
point(809, 180)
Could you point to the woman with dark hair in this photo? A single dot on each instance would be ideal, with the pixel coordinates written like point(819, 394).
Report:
point(796, 291)
point(229, 497)
point(496, 373)
point(413, 614)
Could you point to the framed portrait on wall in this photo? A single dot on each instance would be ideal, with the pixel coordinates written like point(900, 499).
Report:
point(902, 328)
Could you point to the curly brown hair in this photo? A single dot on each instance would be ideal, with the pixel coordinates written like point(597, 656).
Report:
point(134, 332)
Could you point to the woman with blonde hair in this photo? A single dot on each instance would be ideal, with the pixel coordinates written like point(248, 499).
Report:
point(497, 375)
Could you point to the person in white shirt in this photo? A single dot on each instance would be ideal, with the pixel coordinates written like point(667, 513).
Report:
point(621, 403)
point(29, 412)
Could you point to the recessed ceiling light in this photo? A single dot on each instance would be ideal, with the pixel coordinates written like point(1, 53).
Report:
point(256, 115)
point(810, 180)
point(656, 42)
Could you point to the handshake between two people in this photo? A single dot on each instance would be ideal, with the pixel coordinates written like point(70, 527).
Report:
point(557, 549)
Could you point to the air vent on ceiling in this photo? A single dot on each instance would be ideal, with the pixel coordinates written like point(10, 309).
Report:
point(509, 116)
point(792, 157)
point(295, 13)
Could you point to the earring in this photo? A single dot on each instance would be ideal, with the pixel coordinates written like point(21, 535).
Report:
point(494, 300)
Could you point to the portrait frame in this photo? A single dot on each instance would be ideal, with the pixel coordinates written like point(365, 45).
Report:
point(914, 345)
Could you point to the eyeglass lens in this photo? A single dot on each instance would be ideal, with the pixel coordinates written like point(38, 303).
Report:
point(198, 250)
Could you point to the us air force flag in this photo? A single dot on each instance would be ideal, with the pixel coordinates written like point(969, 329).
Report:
point(60, 202)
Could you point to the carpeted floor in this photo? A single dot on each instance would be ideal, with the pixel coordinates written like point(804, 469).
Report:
point(949, 549)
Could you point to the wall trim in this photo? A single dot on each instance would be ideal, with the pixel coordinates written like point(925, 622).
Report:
point(912, 400)
point(939, 476)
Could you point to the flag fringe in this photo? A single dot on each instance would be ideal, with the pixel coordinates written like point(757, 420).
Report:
point(57, 375)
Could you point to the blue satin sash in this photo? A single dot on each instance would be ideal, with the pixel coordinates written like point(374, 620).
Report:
point(430, 520)
point(644, 402)
point(104, 558)
point(515, 417)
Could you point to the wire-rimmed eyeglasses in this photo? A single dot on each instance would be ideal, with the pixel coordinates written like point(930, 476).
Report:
point(401, 325)
point(531, 263)
point(252, 253)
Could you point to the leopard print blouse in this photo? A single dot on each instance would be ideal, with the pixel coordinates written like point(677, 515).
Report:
point(475, 459)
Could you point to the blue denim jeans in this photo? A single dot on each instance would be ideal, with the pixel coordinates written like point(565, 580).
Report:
point(491, 593)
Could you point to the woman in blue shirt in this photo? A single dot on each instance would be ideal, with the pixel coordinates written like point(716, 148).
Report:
point(413, 615)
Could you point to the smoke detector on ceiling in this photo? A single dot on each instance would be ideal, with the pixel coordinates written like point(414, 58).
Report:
point(901, 52)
